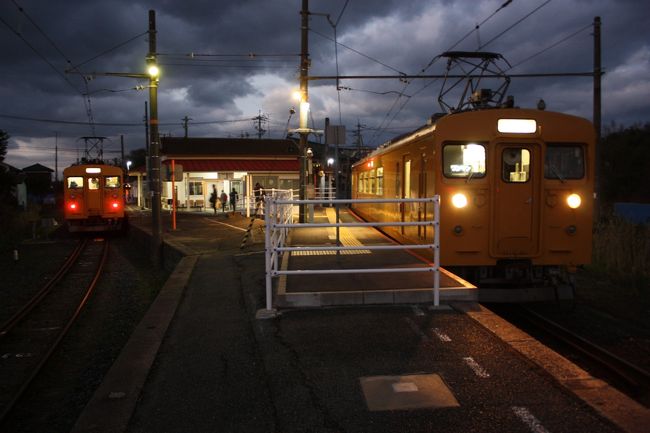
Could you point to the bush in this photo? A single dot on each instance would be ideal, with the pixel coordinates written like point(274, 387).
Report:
point(622, 250)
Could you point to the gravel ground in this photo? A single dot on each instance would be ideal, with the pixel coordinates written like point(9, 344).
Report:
point(60, 392)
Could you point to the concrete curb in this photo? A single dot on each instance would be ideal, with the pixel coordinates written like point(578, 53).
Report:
point(603, 398)
point(113, 403)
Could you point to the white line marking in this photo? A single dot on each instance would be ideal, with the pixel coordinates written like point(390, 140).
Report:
point(478, 370)
point(227, 225)
point(529, 419)
point(441, 335)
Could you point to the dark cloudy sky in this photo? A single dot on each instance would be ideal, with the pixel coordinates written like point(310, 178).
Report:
point(43, 106)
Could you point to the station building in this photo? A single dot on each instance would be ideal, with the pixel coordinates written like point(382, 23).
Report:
point(227, 163)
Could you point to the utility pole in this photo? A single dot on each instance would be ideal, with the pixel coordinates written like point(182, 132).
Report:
point(259, 119)
point(185, 120)
point(154, 156)
point(122, 150)
point(304, 101)
point(56, 157)
point(597, 115)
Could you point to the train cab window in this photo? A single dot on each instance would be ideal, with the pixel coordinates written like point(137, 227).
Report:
point(75, 182)
point(515, 165)
point(112, 181)
point(564, 162)
point(93, 183)
point(465, 160)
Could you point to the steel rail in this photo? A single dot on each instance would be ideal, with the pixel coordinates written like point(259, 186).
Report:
point(633, 376)
point(6, 327)
point(89, 290)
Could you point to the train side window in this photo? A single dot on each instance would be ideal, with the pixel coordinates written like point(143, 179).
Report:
point(465, 160)
point(112, 181)
point(380, 180)
point(93, 183)
point(564, 162)
point(515, 165)
point(75, 182)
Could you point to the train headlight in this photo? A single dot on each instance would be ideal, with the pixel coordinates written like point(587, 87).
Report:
point(459, 200)
point(115, 205)
point(573, 201)
point(72, 205)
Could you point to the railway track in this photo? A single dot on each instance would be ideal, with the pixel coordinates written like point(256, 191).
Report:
point(619, 372)
point(32, 334)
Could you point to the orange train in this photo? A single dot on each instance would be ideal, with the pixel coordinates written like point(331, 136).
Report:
point(94, 198)
point(516, 189)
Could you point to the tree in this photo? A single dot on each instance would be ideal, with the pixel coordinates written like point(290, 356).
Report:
point(4, 144)
point(625, 164)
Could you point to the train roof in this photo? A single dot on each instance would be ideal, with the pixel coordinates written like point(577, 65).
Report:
point(433, 122)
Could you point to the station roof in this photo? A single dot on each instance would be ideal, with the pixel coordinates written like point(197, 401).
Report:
point(249, 165)
point(175, 147)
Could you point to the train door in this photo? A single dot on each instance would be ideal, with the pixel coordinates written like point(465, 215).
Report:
point(406, 190)
point(422, 193)
point(516, 207)
point(93, 195)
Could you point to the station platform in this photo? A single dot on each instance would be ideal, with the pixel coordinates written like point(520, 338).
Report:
point(200, 361)
point(313, 290)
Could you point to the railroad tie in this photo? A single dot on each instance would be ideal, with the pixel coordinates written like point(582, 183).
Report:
point(258, 207)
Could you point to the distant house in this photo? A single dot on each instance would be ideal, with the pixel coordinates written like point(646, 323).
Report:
point(13, 187)
point(38, 180)
point(227, 163)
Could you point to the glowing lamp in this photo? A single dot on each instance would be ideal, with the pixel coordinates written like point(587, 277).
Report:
point(573, 201)
point(93, 170)
point(459, 200)
point(153, 71)
point(517, 126)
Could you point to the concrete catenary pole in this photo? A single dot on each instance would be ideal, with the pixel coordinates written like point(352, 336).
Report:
point(304, 101)
point(154, 148)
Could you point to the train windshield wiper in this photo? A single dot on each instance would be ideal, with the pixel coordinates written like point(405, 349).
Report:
point(556, 173)
point(470, 174)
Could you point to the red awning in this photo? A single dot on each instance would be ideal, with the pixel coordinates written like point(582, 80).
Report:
point(254, 165)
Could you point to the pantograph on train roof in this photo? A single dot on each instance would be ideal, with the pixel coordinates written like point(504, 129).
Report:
point(476, 68)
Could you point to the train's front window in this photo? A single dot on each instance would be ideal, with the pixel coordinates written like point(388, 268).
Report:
point(564, 162)
point(112, 181)
point(463, 160)
point(93, 183)
point(516, 164)
point(75, 182)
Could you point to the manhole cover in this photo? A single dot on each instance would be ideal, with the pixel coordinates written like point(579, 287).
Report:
point(412, 391)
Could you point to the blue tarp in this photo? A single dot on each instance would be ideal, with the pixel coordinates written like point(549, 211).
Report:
point(634, 212)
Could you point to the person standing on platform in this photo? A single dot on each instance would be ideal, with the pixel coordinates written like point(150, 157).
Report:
point(233, 200)
point(224, 201)
point(213, 199)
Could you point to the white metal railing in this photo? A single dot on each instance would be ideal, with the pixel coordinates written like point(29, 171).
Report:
point(278, 219)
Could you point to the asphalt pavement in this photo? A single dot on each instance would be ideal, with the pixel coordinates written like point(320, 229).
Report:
point(201, 362)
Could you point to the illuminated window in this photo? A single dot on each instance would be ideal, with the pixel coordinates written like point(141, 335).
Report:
point(93, 183)
point(371, 181)
point(75, 182)
point(195, 188)
point(516, 165)
point(463, 160)
point(564, 162)
point(380, 181)
point(112, 181)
